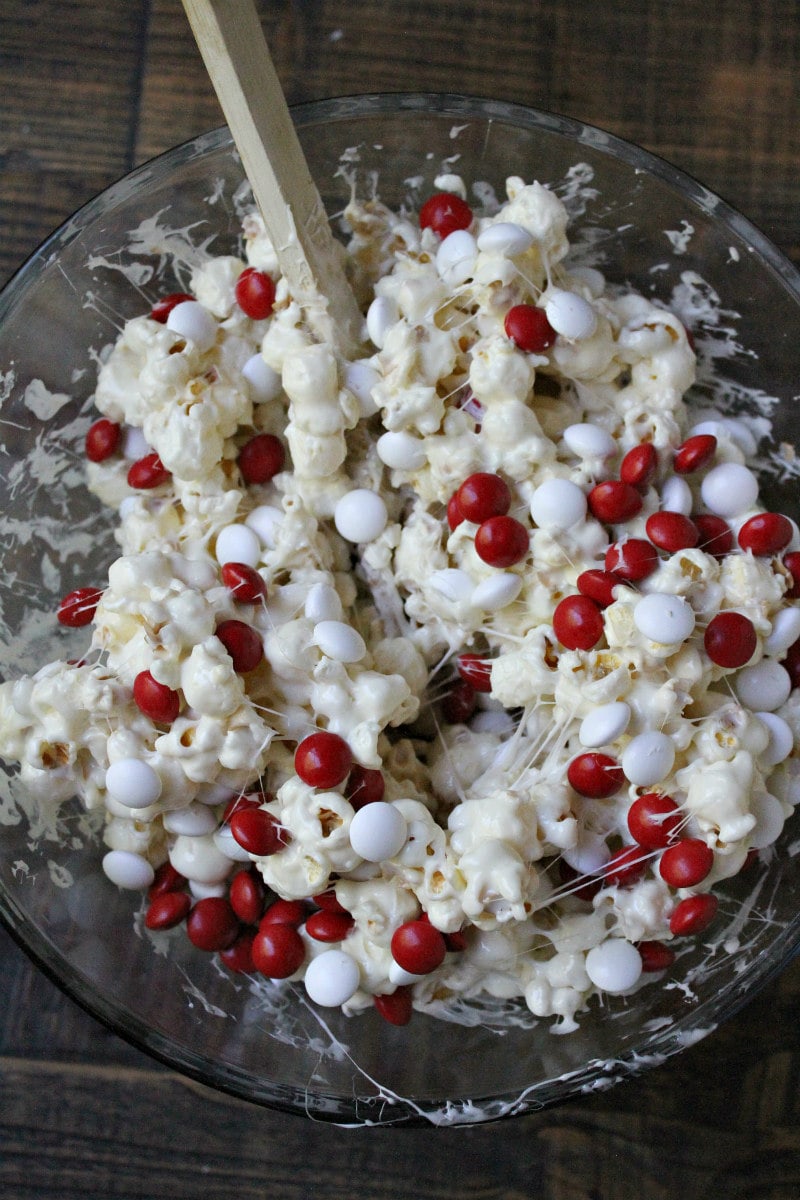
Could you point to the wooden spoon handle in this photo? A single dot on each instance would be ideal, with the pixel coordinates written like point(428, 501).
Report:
point(235, 52)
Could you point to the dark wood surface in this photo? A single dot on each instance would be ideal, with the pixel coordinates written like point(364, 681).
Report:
point(88, 89)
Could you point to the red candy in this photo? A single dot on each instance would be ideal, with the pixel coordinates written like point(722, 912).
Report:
point(686, 863)
point(502, 541)
point(730, 639)
point(578, 623)
point(284, 912)
point(483, 495)
point(395, 1007)
point(78, 608)
point(631, 560)
point(255, 293)
point(672, 531)
point(323, 760)
point(459, 703)
point(418, 947)
point(163, 307)
point(364, 785)
point(246, 895)
point(595, 775)
point(614, 502)
point(329, 926)
point(244, 582)
point(625, 867)
point(655, 956)
point(476, 671)
point(258, 831)
point(716, 535)
point(696, 452)
point(212, 924)
point(792, 564)
point(239, 956)
point(148, 472)
point(157, 701)
point(766, 534)
point(167, 910)
point(167, 879)
point(261, 458)
point(638, 467)
point(445, 212)
point(694, 914)
point(528, 328)
point(278, 950)
point(654, 820)
point(102, 439)
point(598, 586)
point(242, 643)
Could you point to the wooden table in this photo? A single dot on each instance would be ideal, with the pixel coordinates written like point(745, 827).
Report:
point(88, 90)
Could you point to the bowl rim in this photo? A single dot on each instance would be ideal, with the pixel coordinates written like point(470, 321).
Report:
point(235, 1081)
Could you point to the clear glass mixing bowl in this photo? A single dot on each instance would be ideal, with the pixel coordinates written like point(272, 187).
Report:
point(643, 222)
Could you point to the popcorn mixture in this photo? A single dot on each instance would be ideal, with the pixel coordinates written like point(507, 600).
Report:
point(462, 668)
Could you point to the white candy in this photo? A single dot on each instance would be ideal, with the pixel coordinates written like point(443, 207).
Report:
point(589, 441)
point(593, 280)
point(360, 378)
point(614, 966)
point(781, 739)
point(196, 573)
point(400, 976)
point(456, 258)
point(265, 383)
point(505, 237)
point(729, 489)
point(195, 323)
point(360, 515)
point(128, 870)
point(322, 603)
point(133, 783)
point(605, 724)
point(570, 315)
point(497, 591)
point(676, 496)
point(194, 820)
point(237, 544)
point(589, 855)
point(501, 723)
point(134, 445)
point(378, 831)
point(214, 794)
point(207, 891)
point(785, 631)
point(736, 430)
point(382, 314)
point(339, 641)
point(664, 618)
point(558, 504)
point(401, 451)
point(226, 844)
point(453, 583)
point(764, 686)
point(331, 978)
point(768, 812)
point(199, 858)
point(263, 521)
point(648, 758)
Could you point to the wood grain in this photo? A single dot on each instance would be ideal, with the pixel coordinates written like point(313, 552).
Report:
point(87, 90)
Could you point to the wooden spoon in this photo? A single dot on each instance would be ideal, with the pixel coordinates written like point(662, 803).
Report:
point(235, 52)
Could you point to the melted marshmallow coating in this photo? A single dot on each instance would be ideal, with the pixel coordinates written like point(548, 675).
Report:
point(496, 839)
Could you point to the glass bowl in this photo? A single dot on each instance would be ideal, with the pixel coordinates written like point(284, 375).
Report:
point(644, 223)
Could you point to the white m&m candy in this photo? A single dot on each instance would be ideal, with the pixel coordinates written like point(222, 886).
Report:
point(764, 686)
point(192, 321)
point(497, 591)
point(339, 641)
point(729, 489)
point(322, 603)
point(676, 496)
point(570, 315)
point(360, 378)
point(128, 870)
point(664, 618)
point(265, 383)
point(558, 504)
point(237, 544)
point(785, 631)
point(132, 782)
point(378, 831)
point(589, 441)
point(455, 258)
point(614, 966)
point(605, 724)
point(331, 978)
point(382, 314)
point(400, 450)
point(505, 237)
point(648, 758)
point(360, 515)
